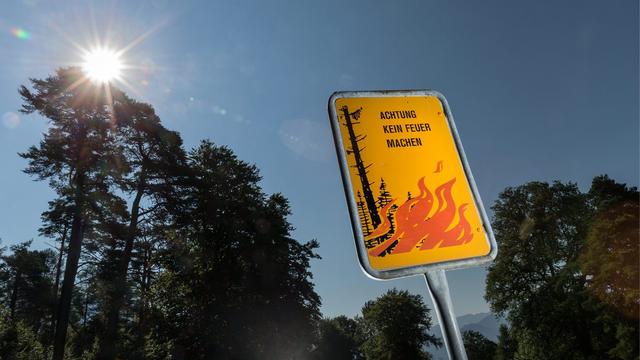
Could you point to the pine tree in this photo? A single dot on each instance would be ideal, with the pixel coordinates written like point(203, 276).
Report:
point(350, 119)
point(78, 158)
point(384, 196)
point(57, 225)
point(235, 284)
point(154, 157)
point(362, 211)
point(25, 285)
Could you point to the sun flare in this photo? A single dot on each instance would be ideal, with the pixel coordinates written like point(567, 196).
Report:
point(102, 65)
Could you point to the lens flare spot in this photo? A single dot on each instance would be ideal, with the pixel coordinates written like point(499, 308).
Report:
point(11, 120)
point(20, 33)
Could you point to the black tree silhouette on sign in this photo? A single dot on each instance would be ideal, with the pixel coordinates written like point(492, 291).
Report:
point(355, 149)
point(362, 211)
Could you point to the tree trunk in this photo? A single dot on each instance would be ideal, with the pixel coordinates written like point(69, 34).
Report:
point(71, 268)
point(86, 307)
point(146, 279)
point(107, 344)
point(14, 295)
point(56, 285)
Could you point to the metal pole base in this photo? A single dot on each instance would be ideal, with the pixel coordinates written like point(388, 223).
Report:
point(439, 292)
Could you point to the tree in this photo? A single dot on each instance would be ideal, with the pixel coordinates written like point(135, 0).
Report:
point(145, 269)
point(18, 341)
point(478, 347)
point(541, 228)
point(384, 196)
point(539, 279)
point(85, 321)
point(338, 339)
point(25, 301)
point(611, 259)
point(507, 345)
point(395, 326)
point(57, 225)
point(235, 284)
point(25, 285)
point(154, 157)
point(364, 217)
point(79, 159)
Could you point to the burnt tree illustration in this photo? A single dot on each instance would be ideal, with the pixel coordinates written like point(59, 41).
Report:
point(384, 198)
point(359, 164)
point(362, 211)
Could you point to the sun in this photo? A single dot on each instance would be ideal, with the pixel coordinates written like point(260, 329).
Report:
point(102, 65)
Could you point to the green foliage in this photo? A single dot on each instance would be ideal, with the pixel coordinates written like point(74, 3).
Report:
point(507, 345)
point(154, 158)
point(539, 228)
point(627, 341)
point(235, 285)
point(18, 341)
point(478, 347)
point(558, 249)
point(155, 349)
point(395, 325)
point(339, 338)
point(611, 258)
point(79, 147)
point(26, 286)
point(81, 160)
point(530, 347)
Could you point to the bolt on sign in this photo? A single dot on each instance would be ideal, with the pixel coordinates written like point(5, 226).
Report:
point(414, 205)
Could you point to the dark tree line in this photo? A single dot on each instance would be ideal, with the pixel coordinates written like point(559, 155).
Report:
point(161, 252)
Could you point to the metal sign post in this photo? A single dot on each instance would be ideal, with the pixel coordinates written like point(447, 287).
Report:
point(413, 203)
point(439, 291)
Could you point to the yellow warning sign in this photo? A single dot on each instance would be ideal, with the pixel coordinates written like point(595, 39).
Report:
point(412, 201)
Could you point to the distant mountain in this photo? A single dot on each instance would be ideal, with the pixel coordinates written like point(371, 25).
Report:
point(489, 326)
point(471, 319)
point(484, 323)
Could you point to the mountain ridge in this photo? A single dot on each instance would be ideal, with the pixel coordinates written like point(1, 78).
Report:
point(485, 323)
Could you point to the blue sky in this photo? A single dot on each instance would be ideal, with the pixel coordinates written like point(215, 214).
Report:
point(539, 91)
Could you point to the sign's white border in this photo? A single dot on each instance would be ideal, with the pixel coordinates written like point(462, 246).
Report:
point(351, 202)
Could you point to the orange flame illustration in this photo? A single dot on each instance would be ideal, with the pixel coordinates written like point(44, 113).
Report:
point(385, 226)
point(416, 228)
point(438, 167)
